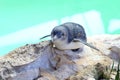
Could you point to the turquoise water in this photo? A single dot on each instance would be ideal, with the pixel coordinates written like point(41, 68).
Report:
point(25, 21)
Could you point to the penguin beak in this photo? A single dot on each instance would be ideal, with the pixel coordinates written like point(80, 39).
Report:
point(85, 43)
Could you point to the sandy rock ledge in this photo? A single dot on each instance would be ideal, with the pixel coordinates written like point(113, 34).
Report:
point(42, 61)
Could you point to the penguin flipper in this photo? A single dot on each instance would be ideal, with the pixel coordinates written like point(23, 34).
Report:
point(85, 43)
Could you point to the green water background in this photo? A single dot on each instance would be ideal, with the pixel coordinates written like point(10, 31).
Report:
point(16, 15)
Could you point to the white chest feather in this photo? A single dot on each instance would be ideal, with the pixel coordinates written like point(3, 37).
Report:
point(63, 45)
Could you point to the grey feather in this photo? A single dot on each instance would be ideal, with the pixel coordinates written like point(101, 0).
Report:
point(74, 30)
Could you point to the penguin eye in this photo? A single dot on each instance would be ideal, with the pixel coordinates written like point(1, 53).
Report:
point(59, 34)
point(54, 33)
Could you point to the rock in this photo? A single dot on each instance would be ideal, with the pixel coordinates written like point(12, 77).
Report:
point(42, 61)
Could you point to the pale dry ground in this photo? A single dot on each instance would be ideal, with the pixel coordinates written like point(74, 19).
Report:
point(42, 61)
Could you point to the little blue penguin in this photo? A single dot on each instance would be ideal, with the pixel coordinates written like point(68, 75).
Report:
point(69, 36)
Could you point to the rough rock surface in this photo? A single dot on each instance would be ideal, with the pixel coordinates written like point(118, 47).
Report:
point(42, 61)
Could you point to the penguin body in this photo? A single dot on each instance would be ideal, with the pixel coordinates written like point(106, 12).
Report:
point(68, 36)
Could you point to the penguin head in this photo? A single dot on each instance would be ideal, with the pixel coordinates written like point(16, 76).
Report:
point(58, 34)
